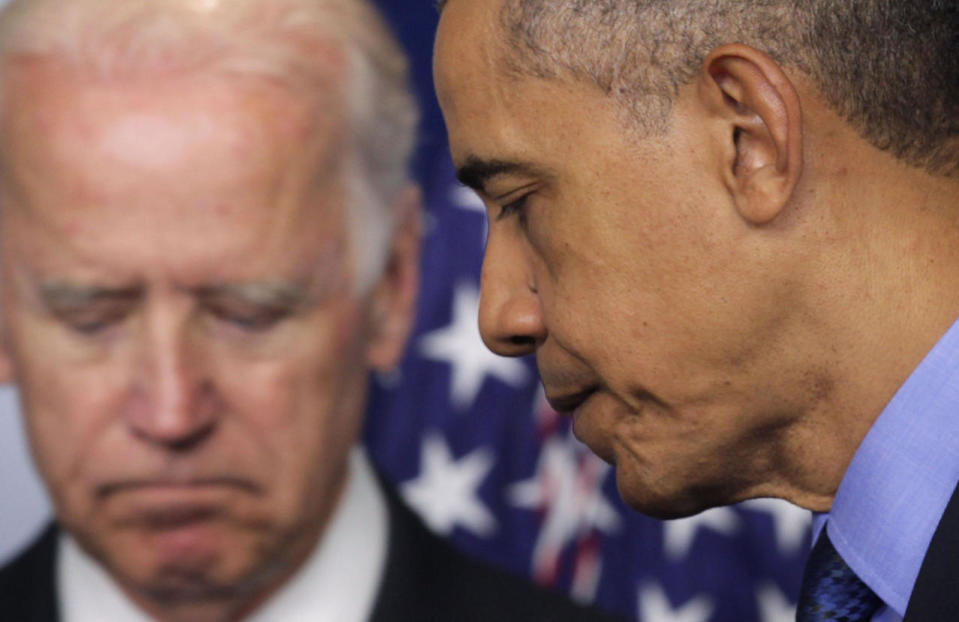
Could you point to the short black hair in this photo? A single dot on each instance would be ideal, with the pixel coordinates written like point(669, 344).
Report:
point(889, 67)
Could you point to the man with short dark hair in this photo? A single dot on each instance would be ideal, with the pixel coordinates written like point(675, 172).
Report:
point(729, 230)
point(208, 240)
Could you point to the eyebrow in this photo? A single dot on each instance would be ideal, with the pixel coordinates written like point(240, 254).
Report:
point(273, 294)
point(476, 172)
point(65, 295)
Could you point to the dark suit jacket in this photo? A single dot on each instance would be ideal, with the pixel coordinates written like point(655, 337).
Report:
point(426, 580)
point(935, 597)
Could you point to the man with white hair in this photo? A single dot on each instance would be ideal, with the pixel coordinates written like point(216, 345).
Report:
point(209, 240)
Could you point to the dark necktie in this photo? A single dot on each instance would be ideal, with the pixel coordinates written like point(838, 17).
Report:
point(831, 590)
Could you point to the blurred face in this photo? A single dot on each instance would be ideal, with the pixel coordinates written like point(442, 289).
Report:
point(658, 317)
point(178, 317)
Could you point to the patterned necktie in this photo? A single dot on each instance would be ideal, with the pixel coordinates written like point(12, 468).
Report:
point(831, 590)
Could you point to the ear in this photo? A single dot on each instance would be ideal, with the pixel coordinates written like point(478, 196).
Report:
point(393, 300)
point(761, 121)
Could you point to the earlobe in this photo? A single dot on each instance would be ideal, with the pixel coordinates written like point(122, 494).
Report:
point(762, 128)
point(393, 303)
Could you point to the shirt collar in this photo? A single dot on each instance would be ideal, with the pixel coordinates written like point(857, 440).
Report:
point(339, 582)
point(901, 478)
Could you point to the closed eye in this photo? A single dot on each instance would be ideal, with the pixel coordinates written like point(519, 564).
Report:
point(516, 207)
point(252, 307)
point(94, 319)
point(89, 310)
point(250, 319)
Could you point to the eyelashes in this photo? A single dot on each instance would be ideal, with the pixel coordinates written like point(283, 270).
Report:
point(251, 320)
point(517, 207)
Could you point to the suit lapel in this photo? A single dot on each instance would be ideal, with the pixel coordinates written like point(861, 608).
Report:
point(936, 593)
point(403, 593)
point(27, 591)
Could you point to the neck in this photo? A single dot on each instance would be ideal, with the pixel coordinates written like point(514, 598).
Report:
point(883, 287)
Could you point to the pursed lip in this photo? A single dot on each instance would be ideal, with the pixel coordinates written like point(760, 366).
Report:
point(567, 403)
point(160, 485)
point(168, 505)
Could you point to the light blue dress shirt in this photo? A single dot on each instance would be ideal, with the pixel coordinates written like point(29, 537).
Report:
point(900, 480)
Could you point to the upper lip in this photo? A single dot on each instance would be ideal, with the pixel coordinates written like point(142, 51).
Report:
point(566, 403)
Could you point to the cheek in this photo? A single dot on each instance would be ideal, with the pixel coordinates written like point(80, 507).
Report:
point(304, 410)
point(67, 401)
point(70, 419)
point(675, 294)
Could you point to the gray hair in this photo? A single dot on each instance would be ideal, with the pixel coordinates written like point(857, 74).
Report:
point(278, 39)
point(889, 67)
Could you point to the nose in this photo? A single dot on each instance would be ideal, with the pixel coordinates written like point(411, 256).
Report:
point(510, 316)
point(173, 402)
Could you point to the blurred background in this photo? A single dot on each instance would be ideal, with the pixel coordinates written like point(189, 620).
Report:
point(477, 452)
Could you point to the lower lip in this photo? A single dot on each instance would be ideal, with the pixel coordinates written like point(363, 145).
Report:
point(599, 442)
point(190, 544)
point(578, 413)
point(573, 413)
point(182, 523)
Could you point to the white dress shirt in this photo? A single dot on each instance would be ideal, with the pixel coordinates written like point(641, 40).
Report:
point(338, 583)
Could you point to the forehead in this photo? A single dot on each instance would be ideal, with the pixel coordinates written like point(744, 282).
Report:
point(495, 113)
point(49, 109)
point(468, 64)
point(172, 164)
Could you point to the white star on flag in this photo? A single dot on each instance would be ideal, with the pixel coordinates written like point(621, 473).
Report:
point(790, 522)
point(654, 606)
point(446, 492)
point(567, 489)
point(773, 605)
point(678, 535)
point(459, 344)
point(464, 198)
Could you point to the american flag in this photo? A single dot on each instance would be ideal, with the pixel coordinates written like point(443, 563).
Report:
point(473, 447)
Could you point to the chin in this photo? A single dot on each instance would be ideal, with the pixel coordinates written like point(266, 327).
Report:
point(182, 584)
point(665, 502)
point(189, 565)
point(166, 578)
point(662, 509)
point(195, 581)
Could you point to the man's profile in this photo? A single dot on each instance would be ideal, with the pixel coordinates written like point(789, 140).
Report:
point(729, 231)
point(209, 240)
